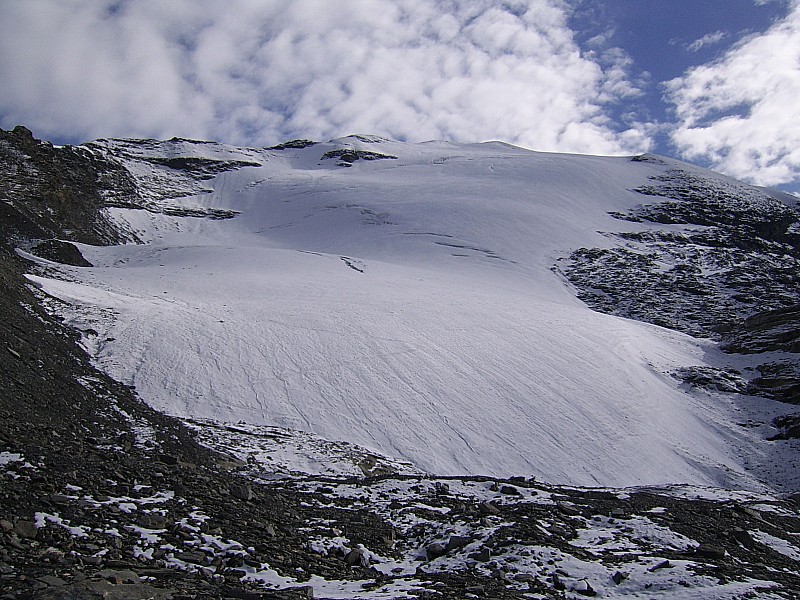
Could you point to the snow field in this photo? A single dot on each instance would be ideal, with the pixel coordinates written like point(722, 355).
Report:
point(408, 306)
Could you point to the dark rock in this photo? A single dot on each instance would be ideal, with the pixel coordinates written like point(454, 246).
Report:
point(618, 577)
point(584, 588)
point(99, 590)
point(196, 558)
point(709, 281)
point(648, 158)
point(347, 156)
point(293, 144)
point(557, 583)
point(568, 508)
point(168, 459)
point(52, 581)
point(59, 192)
point(26, 529)
point(435, 549)
point(489, 508)
point(199, 167)
point(483, 555)
point(119, 576)
point(709, 551)
point(509, 490)
point(766, 331)
point(242, 492)
point(356, 557)
point(664, 564)
point(500, 574)
point(724, 380)
point(778, 380)
point(59, 499)
point(62, 252)
point(743, 537)
point(456, 542)
point(152, 521)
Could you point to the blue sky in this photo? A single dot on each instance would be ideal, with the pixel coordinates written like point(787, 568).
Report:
point(664, 40)
point(714, 82)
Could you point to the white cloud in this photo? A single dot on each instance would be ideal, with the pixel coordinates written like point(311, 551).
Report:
point(708, 39)
point(259, 71)
point(741, 113)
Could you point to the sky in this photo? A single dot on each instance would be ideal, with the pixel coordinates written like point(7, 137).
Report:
point(714, 82)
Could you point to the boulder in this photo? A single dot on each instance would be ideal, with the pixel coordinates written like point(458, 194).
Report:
point(241, 491)
point(26, 529)
point(62, 252)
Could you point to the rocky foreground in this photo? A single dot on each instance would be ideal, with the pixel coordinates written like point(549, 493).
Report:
point(103, 497)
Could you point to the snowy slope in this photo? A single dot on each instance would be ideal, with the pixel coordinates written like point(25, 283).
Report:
point(406, 303)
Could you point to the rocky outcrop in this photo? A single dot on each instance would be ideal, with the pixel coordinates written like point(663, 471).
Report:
point(59, 192)
point(745, 258)
point(347, 156)
point(768, 331)
point(726, 267)
point(62, 252)
point(199, 167)
point(293, 144)
point(171, 169)
point(779, 380)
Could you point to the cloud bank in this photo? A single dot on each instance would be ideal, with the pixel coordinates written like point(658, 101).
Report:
point(741, 113)
point(260, 71)
point(256, 72)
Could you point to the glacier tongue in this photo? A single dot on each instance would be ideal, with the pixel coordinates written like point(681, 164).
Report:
point(406, 305)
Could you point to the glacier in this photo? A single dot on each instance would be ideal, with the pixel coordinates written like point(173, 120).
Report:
point(403, 297)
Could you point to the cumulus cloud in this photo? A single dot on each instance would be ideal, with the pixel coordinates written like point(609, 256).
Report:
point(741, 112)
point(259, 71)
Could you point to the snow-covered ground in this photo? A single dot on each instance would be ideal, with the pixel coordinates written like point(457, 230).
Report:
point(407, 305)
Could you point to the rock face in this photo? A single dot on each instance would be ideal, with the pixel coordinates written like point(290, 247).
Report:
point(52, 192)
point(718, 260)
point(735, 253)
point(58, 251)
point(347, 156)
point(767, 331)
point(103, 497)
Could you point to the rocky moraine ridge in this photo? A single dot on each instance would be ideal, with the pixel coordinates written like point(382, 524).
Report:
point(103, 497)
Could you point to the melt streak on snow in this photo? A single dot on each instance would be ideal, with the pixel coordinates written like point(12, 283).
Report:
point(407, 305)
